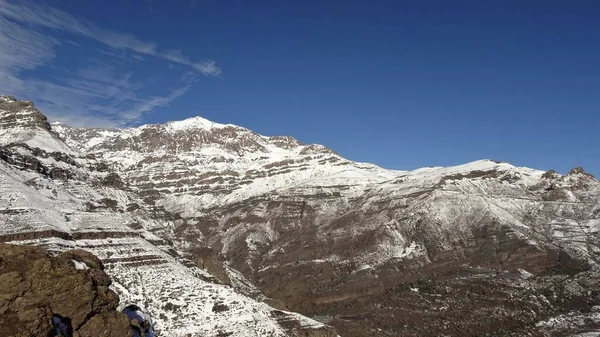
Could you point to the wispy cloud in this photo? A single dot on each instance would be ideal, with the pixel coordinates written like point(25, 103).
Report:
point(49, 17)
point(149, 6)
point(23, 49)
point(101, 93)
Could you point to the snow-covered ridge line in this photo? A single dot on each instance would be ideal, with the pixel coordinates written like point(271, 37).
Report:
point(196, 122)
point(7, 99)
point(176, 158)
point(21, 122)
point(528, 175)
point(96, 137)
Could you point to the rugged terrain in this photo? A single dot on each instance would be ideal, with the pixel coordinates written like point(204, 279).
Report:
point(55, 197)
point(484, 248)
point(34, 286)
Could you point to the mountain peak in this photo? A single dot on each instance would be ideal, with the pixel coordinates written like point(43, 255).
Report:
point(21, 122)
point(196, 122)
point(21, 113)
point(7, 99)
point(196, 134)
point(579, 171)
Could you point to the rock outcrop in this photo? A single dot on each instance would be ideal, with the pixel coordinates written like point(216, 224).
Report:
point(21, 114)
point(35, 286)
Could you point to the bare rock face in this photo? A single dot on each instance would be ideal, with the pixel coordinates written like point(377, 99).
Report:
point(20, 114)
point(211, 261)
point(34, 286)
point(579, 170)
point(106, 324)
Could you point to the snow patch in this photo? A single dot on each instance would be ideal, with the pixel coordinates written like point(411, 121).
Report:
point(37, 137)
point(525, 274)
point(79, 265)
point(195, 123)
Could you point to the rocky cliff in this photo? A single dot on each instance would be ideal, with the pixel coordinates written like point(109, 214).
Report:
point(34, 287)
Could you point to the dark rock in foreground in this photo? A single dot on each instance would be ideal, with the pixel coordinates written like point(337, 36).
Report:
point(34, 286)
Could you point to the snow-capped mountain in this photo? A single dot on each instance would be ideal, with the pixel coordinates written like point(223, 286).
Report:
point(20, 122)
point(62, 199)
point(371, 251)
point(197, 162)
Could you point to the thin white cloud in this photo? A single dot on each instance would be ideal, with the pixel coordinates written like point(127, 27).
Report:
point(65, 103)
point(153, 103)
point(23, 49)
point(53, 18)
point(99, 94)
point(121, 54)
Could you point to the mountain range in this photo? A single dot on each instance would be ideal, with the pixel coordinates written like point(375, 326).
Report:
point(220, 231)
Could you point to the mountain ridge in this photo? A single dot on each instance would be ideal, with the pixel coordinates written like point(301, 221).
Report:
point(325, 236)
point(64, 201)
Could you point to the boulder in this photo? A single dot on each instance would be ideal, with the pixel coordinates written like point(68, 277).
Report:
point(35, 286)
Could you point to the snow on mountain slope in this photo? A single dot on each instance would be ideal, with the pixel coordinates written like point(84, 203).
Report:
point(195, 123)
point(198, 162)
point(337, 246)
point(448, 205)
point(196, 168)
point(54, 214)
point(317, 233)
point(21, 122)
point(71, 200)
point(435, 173)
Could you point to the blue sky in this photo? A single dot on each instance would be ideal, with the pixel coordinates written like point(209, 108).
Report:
point(402, 84)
